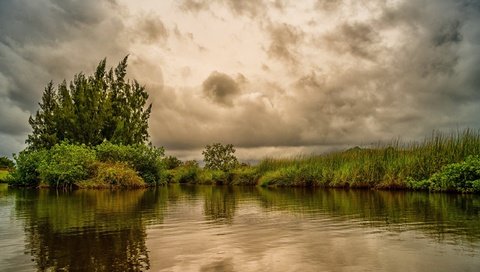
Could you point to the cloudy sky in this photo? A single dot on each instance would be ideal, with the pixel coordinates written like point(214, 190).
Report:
point(272, 77)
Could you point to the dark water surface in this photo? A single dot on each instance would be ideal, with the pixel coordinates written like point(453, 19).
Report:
point(204, 228)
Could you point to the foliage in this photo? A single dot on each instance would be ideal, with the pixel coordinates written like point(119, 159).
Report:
point(146, 160)
point(27, 168)
point(6, 163)
point(66, 164)
point(462, 177)
point(91, 109)
point(220, 157)
point(171, 162)
point(114, 174)
point(391, 166)
point(187, 173)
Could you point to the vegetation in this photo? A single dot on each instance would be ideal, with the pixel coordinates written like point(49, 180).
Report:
point(92, 109)
point(106, 165)
point(439, 163)
point(90, 133)
point(6, 163)
point(220, 157)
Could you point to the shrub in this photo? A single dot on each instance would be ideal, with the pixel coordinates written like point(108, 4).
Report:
point(66, 164)
point(171, 162)
point(27, 173)
point(462, 176)
point(186, 174)
point(244, 176)
point(146, 160)
point(116, 174)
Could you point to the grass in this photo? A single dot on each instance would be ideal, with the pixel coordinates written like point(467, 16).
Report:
point(392, 166)
point(3, 175)
point(441, 162)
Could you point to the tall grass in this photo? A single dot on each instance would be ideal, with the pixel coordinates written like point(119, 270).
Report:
point(393, 165)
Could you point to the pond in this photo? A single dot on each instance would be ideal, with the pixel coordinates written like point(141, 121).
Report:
point(216, 228)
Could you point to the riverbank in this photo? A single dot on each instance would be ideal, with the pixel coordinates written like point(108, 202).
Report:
point(3, 175)
point(442, 162)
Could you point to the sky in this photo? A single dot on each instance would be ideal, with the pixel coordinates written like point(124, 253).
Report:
point(271, 77)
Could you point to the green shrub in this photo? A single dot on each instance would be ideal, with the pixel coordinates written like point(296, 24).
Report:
point(186, 174)
point(171, 162)
point(66, 164)
point(461, 177)
point(112, 175)
point(146, 160)
point(27, 168)
point(244, 176)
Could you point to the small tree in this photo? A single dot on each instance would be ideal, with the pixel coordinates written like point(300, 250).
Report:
point(220, 157)
point(6, 163)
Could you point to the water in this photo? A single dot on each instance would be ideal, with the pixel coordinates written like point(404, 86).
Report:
point(204, 228)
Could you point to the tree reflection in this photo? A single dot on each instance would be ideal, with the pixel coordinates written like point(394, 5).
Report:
point(89, 230)
point(220, 203)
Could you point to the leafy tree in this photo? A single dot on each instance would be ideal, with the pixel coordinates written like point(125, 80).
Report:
point(220, 157)
point(91, 109)
point(6, 163)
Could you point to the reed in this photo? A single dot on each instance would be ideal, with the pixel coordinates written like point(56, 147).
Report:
point(392, 165)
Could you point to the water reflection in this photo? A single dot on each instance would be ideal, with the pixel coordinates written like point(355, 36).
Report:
point(227, 228)
point(89, 230)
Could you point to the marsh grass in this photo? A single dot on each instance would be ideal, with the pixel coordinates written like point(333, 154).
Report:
point(394, 165)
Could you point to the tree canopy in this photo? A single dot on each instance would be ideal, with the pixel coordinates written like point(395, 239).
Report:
point(92, 109)
point(220, 157)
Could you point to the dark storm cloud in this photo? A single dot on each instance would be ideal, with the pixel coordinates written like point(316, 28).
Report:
point(284, 42)
point(220, 88)
point(48, 40)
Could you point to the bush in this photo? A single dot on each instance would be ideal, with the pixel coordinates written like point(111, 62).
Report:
point(146, 160)
point(171, 162)
point(244, 176)
point(6, 163)
point(116, 174)
point(461, 177)
point(187, 173)
point(66, 164)
point(27, 171)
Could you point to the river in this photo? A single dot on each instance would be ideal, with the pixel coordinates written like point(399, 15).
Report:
point(216, 228)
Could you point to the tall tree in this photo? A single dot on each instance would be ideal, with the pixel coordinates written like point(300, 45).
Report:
point(91, 109)
point(44, 130)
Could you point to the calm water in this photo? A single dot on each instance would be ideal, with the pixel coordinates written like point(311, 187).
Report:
point(203, 228)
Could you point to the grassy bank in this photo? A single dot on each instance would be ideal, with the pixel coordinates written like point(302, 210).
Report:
point(442, 162)
point(3, 175)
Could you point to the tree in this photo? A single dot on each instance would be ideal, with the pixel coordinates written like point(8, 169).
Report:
point(6, 163)
point(220, 157)
point(44, 132)
point(92, 109)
